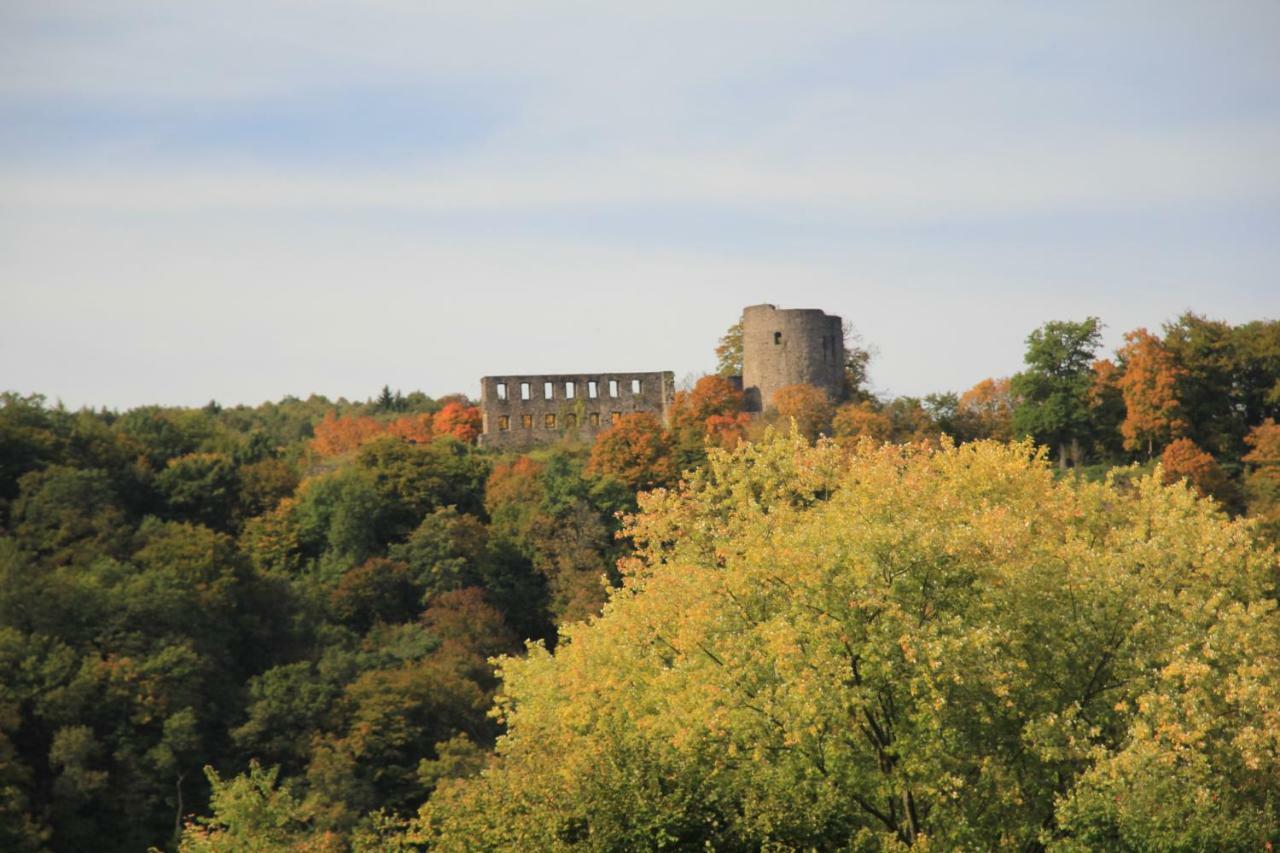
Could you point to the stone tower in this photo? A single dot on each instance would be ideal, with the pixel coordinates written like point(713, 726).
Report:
point(783, 347)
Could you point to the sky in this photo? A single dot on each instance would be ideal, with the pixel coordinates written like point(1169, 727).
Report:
point(245, 200)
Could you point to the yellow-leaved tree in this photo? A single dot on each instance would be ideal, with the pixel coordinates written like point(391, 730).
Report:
point(891, 646)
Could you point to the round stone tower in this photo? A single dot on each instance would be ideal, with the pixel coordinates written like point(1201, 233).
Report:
point(783, 347)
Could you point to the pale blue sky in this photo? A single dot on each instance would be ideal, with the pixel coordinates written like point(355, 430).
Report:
point(242, 200)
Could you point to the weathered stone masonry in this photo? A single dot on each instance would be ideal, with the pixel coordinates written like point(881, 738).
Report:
point(792, 346)
point(780, 347)
point(524, 411)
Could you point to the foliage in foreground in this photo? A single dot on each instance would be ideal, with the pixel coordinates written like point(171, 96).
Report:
point(946, 648)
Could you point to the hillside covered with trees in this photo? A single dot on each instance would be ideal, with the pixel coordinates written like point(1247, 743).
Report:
point(865, 623)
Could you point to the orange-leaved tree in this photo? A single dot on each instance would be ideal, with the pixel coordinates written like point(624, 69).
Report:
point(808, 406)
point(1184, 459)
point(337, 435)
point(416, 428)
point(986, 410)
point(1150, 388)
point(856, 421)
point(1262, 483)
point(458, 420)
point(727, 430)
point(635, 451)
point(710, 412)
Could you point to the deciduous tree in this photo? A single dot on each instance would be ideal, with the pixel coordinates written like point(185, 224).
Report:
point(814, 652)
point(1150, 387)
point(729, 352)
point(855, 421)
point(809, 407)
point(636, 451)
point(335, 435)
point(1262, 480)
point(1182, 459)
point(461, 421)
point(711, 411)
point(1053, 391)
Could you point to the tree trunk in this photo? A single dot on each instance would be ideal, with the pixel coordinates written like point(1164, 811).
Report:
point(177, 818)
point(1062, 455)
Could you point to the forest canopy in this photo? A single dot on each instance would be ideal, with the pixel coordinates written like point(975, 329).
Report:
point(862, 622)
point(818, 649)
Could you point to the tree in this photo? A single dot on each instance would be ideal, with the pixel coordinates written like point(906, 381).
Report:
point(1198, 770)
point(201, 487)
point(1107, 409)
point(335, 435)
point(813, 651)
point(251, 813)
point(461, 421)
point(417, 429)
point(809, 407)
point(857, 361)
point(636, 451)
point(1231, 379)
point(855, 421)
point(986, 411)
point(414, 479)
point(1053, 390)
point(911, 420)
point(729, 352)
point(388, 402)
point(69, 515)
point(710, 412)
point(377, 590)
point(449, 550)
point(1182, 460)
point(1262, 482)
point(1149, 384)
point(563, 522)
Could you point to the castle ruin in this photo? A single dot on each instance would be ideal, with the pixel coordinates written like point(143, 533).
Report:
point(780, 347)
point(790, 346)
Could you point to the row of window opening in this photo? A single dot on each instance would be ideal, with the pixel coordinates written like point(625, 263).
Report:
point(549, 421)
point(570, 389)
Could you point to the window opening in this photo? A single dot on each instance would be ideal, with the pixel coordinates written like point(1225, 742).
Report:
point(594, 419)
point(524, 390)
point(777, 338)
point(526, 421)
point(502, 390)
point(570, 391)
point(592, 390)
point(615, 417)
point(504, 422)
point(635, 387)
point(613, 387)
point(549, 421)
point(571, 421)
point(548, 390)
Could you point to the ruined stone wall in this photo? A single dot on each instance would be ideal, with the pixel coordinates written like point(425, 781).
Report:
point(783, 347)
point(524, 411)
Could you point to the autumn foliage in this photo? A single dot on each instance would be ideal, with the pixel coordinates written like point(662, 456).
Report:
point(1182, 459)
point(987, 409)
point(854, 422)
point(417, 428)
point(336, 435)
point(461, 421)
point(809, 407)
point(635, 451)
point(1149, 384)
point(711, 411)
point(1262, 482)
point(951, 649)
